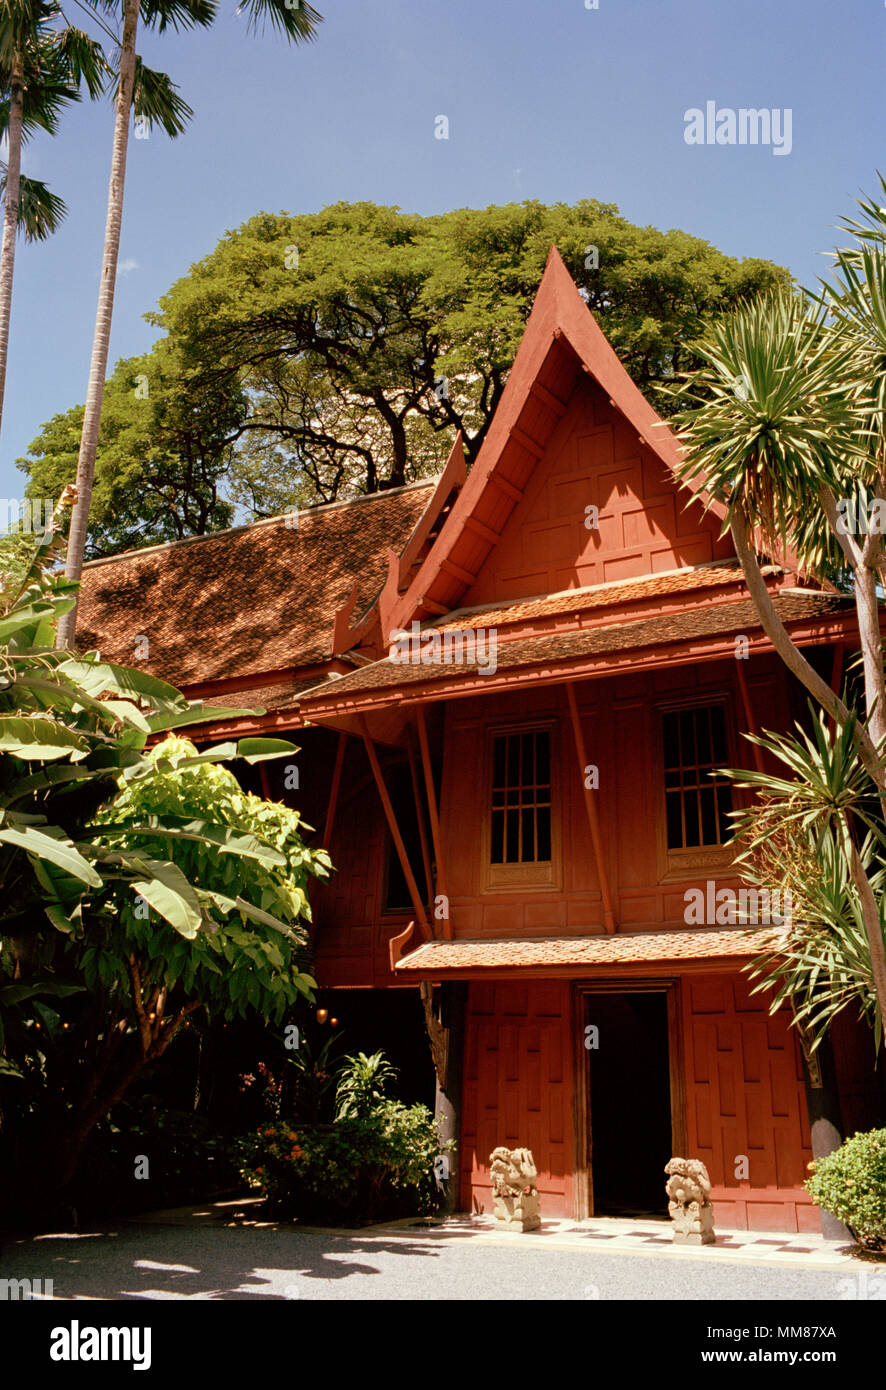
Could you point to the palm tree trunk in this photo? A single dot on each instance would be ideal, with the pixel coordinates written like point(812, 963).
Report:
point(873, 929)
point(10, 217)
point(101, 341)
point(867, 606)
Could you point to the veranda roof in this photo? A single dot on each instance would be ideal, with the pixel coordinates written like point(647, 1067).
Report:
point(554, 655)
point(583, 954)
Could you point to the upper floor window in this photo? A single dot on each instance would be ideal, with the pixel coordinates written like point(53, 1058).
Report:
point(698, 804)
point(522, 825)
point(521, 797)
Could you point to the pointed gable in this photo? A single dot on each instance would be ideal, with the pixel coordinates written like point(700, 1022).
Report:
point(572, 433)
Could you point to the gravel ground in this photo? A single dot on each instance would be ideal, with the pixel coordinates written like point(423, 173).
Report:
point(154, 1261)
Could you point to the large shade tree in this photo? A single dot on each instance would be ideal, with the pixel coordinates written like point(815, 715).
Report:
point(338, 352)
point(158, 102)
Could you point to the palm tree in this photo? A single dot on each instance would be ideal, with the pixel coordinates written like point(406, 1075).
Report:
point(297, 21)
point(42, 68)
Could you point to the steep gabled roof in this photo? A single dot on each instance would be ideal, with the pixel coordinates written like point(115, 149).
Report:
point(561, 341)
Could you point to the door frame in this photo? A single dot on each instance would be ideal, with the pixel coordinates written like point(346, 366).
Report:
point(670, 986)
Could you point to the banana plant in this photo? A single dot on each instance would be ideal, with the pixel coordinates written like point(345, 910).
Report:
point(74, 730)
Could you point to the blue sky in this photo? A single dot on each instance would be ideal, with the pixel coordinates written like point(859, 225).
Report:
point(549, 100)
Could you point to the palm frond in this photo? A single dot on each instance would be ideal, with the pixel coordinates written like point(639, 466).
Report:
point(295, 19)
point(156, 100)
point(40, 212)
point(772, 417)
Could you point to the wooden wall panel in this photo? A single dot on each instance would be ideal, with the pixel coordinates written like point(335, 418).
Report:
point(620, 722)
point(518, 1088)
point(745, 1096)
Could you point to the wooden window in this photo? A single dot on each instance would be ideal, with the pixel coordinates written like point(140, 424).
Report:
point(697, 803)
point(522, 828)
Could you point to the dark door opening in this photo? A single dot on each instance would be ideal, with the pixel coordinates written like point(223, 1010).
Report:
point(630, 1102)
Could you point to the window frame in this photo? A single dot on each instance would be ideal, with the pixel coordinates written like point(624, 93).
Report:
point(690, 862)
point(544, 873)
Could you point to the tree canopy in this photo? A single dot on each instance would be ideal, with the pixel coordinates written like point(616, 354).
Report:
point(314, 357)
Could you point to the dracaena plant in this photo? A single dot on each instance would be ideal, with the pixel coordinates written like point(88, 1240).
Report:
point(817, 834)
point(785, 420)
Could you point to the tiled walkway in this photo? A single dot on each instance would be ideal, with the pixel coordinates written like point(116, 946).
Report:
point(614, 1235)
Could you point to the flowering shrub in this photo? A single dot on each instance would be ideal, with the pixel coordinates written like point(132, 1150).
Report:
point(368, 1168)
point(851, 1183)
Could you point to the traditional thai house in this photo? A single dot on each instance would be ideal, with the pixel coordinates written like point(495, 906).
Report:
point(510, 688)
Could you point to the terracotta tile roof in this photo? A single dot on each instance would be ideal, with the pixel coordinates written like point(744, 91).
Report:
point(273, 696)
point(681, 625)
point(615, 594)
point(257, 598)
point(584, 952)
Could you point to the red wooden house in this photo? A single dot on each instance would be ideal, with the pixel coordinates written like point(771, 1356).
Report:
point(510, 689)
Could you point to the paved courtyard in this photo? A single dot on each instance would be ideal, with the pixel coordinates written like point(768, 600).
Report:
point(226, 1251)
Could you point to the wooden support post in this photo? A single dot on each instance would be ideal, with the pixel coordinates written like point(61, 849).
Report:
point(440, 888)
point(448, 1101)
point(591, 808)
point(419, 812)
point(265, 781)
point(414, 895)
point(749, 714)
point(334, 789)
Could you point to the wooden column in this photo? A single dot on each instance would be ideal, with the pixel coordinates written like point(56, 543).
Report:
point(591, 809)
point(447, 1106)
point(414, 895)
point(440, 888)
point(753, 727)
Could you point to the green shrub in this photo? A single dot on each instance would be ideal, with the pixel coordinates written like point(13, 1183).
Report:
point(371, 1167)
point(851, 1183)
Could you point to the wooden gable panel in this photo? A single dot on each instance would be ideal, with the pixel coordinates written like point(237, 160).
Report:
point(593, 458)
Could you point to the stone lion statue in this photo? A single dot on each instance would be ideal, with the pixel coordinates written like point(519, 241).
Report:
point(515, 1195)
point(689, 1188)
point(513, 1171)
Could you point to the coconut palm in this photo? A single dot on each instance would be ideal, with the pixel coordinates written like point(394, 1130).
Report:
point(297, 21)
point(43, 63)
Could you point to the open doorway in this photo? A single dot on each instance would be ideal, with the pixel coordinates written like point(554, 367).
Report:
point(630, 1101)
